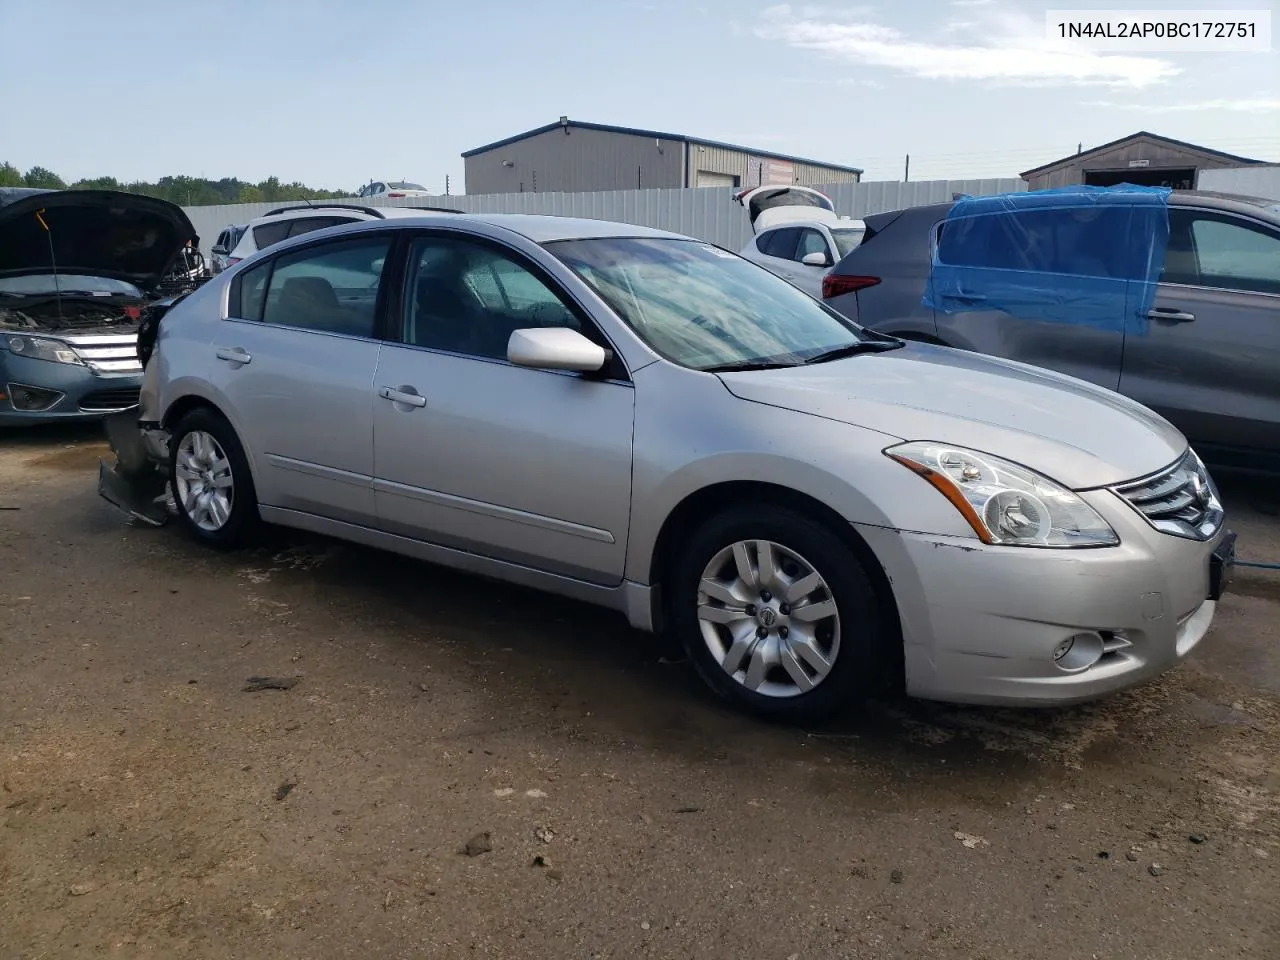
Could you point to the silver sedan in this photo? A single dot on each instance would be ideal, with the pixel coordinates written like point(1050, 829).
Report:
point(648, 422)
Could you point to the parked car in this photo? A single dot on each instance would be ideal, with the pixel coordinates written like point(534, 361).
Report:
point(803, 252)
point(648, 422)
point(220, 254)
point(393, 190)
point(1205, 356)
point(78, 268)
point(798, 235)
point(293, 221)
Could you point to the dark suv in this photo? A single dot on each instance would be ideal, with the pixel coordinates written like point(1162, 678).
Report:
point(1206, 350)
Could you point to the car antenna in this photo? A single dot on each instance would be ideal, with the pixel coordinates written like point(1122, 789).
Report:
point(57, 284)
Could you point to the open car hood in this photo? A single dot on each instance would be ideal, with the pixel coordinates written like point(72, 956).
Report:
point(100, 233)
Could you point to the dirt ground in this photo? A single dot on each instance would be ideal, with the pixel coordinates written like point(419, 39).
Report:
point(150, 806)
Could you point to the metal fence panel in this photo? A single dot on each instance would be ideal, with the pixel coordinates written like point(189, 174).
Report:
point(707, 213)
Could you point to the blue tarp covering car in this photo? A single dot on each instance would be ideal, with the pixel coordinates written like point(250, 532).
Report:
point(1082, 255)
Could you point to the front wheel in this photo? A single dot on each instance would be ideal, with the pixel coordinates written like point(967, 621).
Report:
point(212, 485)
point(777, 614)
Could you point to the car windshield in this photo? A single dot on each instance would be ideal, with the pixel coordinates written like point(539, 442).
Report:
point(67, 283)
point(847, 238)
point(406, 186)
point(701, 307)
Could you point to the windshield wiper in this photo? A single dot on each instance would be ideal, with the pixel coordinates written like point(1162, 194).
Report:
point(746, 365)
point(853, 349)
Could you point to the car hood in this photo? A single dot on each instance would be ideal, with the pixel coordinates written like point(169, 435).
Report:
point(101, 233)
point(1073, 432)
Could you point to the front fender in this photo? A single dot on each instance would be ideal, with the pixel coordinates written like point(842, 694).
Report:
point(733, 440)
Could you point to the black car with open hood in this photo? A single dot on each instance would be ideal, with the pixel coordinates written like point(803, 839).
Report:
point(96, 233)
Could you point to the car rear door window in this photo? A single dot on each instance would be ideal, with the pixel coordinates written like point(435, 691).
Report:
point(783, 243)
point(269, 234)
point(330, 288)
point(1074, 241)
point(468, 298)
point(248, 290)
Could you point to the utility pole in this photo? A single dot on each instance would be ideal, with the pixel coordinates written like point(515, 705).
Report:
point(446, 184)
point(535, 181)
point(906, 170)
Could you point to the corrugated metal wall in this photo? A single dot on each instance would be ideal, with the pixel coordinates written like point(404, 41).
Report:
point(583, 159)
point(708, 214)
point(741, 163)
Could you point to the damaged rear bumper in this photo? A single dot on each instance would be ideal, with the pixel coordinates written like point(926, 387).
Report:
point(138, 482)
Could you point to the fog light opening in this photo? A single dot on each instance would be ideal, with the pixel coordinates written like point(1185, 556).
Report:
point(32, 399)
point(1078, 652)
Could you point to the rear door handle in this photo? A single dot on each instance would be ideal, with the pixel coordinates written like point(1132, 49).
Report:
point(234, 354)
point(1170, 316)
point(402, 396)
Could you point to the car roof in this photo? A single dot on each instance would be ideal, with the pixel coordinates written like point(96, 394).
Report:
point(1237, 203)
point(544, 229)
point(334, 209)
point(537, 228)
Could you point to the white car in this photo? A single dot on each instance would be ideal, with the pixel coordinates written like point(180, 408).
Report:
point(798, 235)
point(393, 190)
point(292, 221)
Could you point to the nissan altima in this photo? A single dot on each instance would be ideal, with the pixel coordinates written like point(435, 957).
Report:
point(648, 422)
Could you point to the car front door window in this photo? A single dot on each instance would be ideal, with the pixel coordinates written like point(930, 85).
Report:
point(811, 241)
point(469, 298)
point(1233, 255)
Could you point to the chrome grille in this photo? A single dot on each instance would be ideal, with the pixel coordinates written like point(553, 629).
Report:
point(1180, 500)
point(108, 353)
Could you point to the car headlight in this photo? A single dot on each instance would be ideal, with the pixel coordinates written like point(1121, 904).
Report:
point(1004, 503)
point(39, 348)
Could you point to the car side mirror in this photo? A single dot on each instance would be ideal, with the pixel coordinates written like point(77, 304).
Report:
point(816, 259)
point(555, 348)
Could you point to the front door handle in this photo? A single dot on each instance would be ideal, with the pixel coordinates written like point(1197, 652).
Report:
point(233, 354)
point(402, 395)
point(1170, 316)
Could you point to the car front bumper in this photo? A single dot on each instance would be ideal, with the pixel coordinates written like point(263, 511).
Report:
point(981, 623)
point(78, 393)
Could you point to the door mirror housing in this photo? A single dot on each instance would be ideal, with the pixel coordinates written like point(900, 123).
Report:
point(816, 259)
point(555, 348)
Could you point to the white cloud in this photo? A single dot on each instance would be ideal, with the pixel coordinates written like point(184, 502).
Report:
point(972, 3)
point(1016, 51)
point(1195, 106)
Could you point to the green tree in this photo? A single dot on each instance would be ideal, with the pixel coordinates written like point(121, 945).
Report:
point(183, 190)
point(41, 177)
point(97, 183)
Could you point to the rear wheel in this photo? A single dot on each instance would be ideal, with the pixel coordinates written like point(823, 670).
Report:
point(212, 486)
point(777, 614)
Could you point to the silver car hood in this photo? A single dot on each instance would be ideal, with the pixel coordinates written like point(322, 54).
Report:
point(1073, 432)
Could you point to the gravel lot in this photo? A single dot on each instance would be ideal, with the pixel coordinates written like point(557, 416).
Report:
point(149, 806)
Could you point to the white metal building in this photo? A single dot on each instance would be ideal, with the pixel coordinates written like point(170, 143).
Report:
point(570, 156)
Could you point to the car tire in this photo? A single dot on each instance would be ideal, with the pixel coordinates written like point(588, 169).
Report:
point(212, 485)
point(825, 621)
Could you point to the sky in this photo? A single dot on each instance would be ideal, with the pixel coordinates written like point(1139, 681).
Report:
point(335, 94)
